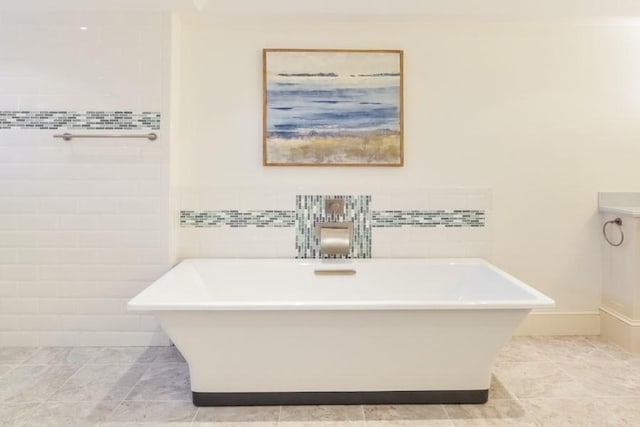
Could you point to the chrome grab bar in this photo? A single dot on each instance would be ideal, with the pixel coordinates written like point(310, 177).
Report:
point(69, 136)
point(337, 272)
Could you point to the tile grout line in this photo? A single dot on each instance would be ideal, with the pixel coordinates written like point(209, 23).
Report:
point(132, 387)
point(610, 351)
point(46, 399)
point(24, 362)
point(576, 379)
point(40, 403)
point(525, 408)
point(9, 371)
point(591, 396)
point(80, 366)
point(195, 415)
point(447, 414)
point(597, 348)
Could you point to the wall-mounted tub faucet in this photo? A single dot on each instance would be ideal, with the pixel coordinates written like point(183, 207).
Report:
point(334, 206)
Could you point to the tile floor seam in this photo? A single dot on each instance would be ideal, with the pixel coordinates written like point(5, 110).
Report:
point(610, 346)
point(195, 415)
point(521, 403)
point(444, 409)
point(596, 348)
point(576, 379)
point(585, 340)
point(19, 362)
point(137, 381)
point(109, 416)
point(569, 398)
point(527, 409)
point(64, 383)
point(33, 355)
point(447, 413)
point(37, 408)
point(10, 369)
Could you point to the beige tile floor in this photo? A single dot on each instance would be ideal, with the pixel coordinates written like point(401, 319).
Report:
point(538, 381)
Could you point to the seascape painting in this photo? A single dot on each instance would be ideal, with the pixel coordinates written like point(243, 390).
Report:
point(332, 107)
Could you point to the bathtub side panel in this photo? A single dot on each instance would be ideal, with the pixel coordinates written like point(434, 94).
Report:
point(333, 351)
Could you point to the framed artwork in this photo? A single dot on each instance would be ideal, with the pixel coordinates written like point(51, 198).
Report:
point(332, 107)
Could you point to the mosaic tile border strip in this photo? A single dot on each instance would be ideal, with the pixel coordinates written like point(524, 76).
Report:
point(378, 219)
point(87, 120)
point(310, 209)
point(428, 218)
point(235, 218)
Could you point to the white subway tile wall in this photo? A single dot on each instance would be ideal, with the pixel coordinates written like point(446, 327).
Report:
point(84, 225)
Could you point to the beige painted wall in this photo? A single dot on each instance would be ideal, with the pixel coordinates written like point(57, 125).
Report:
point(543, 114)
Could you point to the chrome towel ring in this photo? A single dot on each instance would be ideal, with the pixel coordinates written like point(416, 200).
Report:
point(617, 222)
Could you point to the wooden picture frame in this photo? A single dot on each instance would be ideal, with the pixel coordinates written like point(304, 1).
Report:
point(332, 107)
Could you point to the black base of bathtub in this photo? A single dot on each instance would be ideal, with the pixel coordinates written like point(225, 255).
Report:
point(340, 398)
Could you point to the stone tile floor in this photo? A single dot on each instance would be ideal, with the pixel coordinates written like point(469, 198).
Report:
point(538, 381)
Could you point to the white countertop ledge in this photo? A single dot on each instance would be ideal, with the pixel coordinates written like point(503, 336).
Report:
point(633, 211)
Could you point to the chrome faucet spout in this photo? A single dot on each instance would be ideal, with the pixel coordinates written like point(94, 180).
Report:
point(335, 237)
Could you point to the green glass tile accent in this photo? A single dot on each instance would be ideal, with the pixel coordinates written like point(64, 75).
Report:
point(310, 209)
point(235, 218)
point(84, 120)
point(428, 218)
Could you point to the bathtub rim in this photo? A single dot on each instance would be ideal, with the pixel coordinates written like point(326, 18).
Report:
point(140, 302)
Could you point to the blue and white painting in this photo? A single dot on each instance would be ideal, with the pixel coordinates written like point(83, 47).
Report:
point(333, 107)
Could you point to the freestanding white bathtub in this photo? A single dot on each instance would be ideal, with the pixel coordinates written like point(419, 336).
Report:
point(284, 331)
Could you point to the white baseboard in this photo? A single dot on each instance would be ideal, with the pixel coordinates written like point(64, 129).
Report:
point(536, 323)
point(620, 329)
point(560, 323)
point(83, 339)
